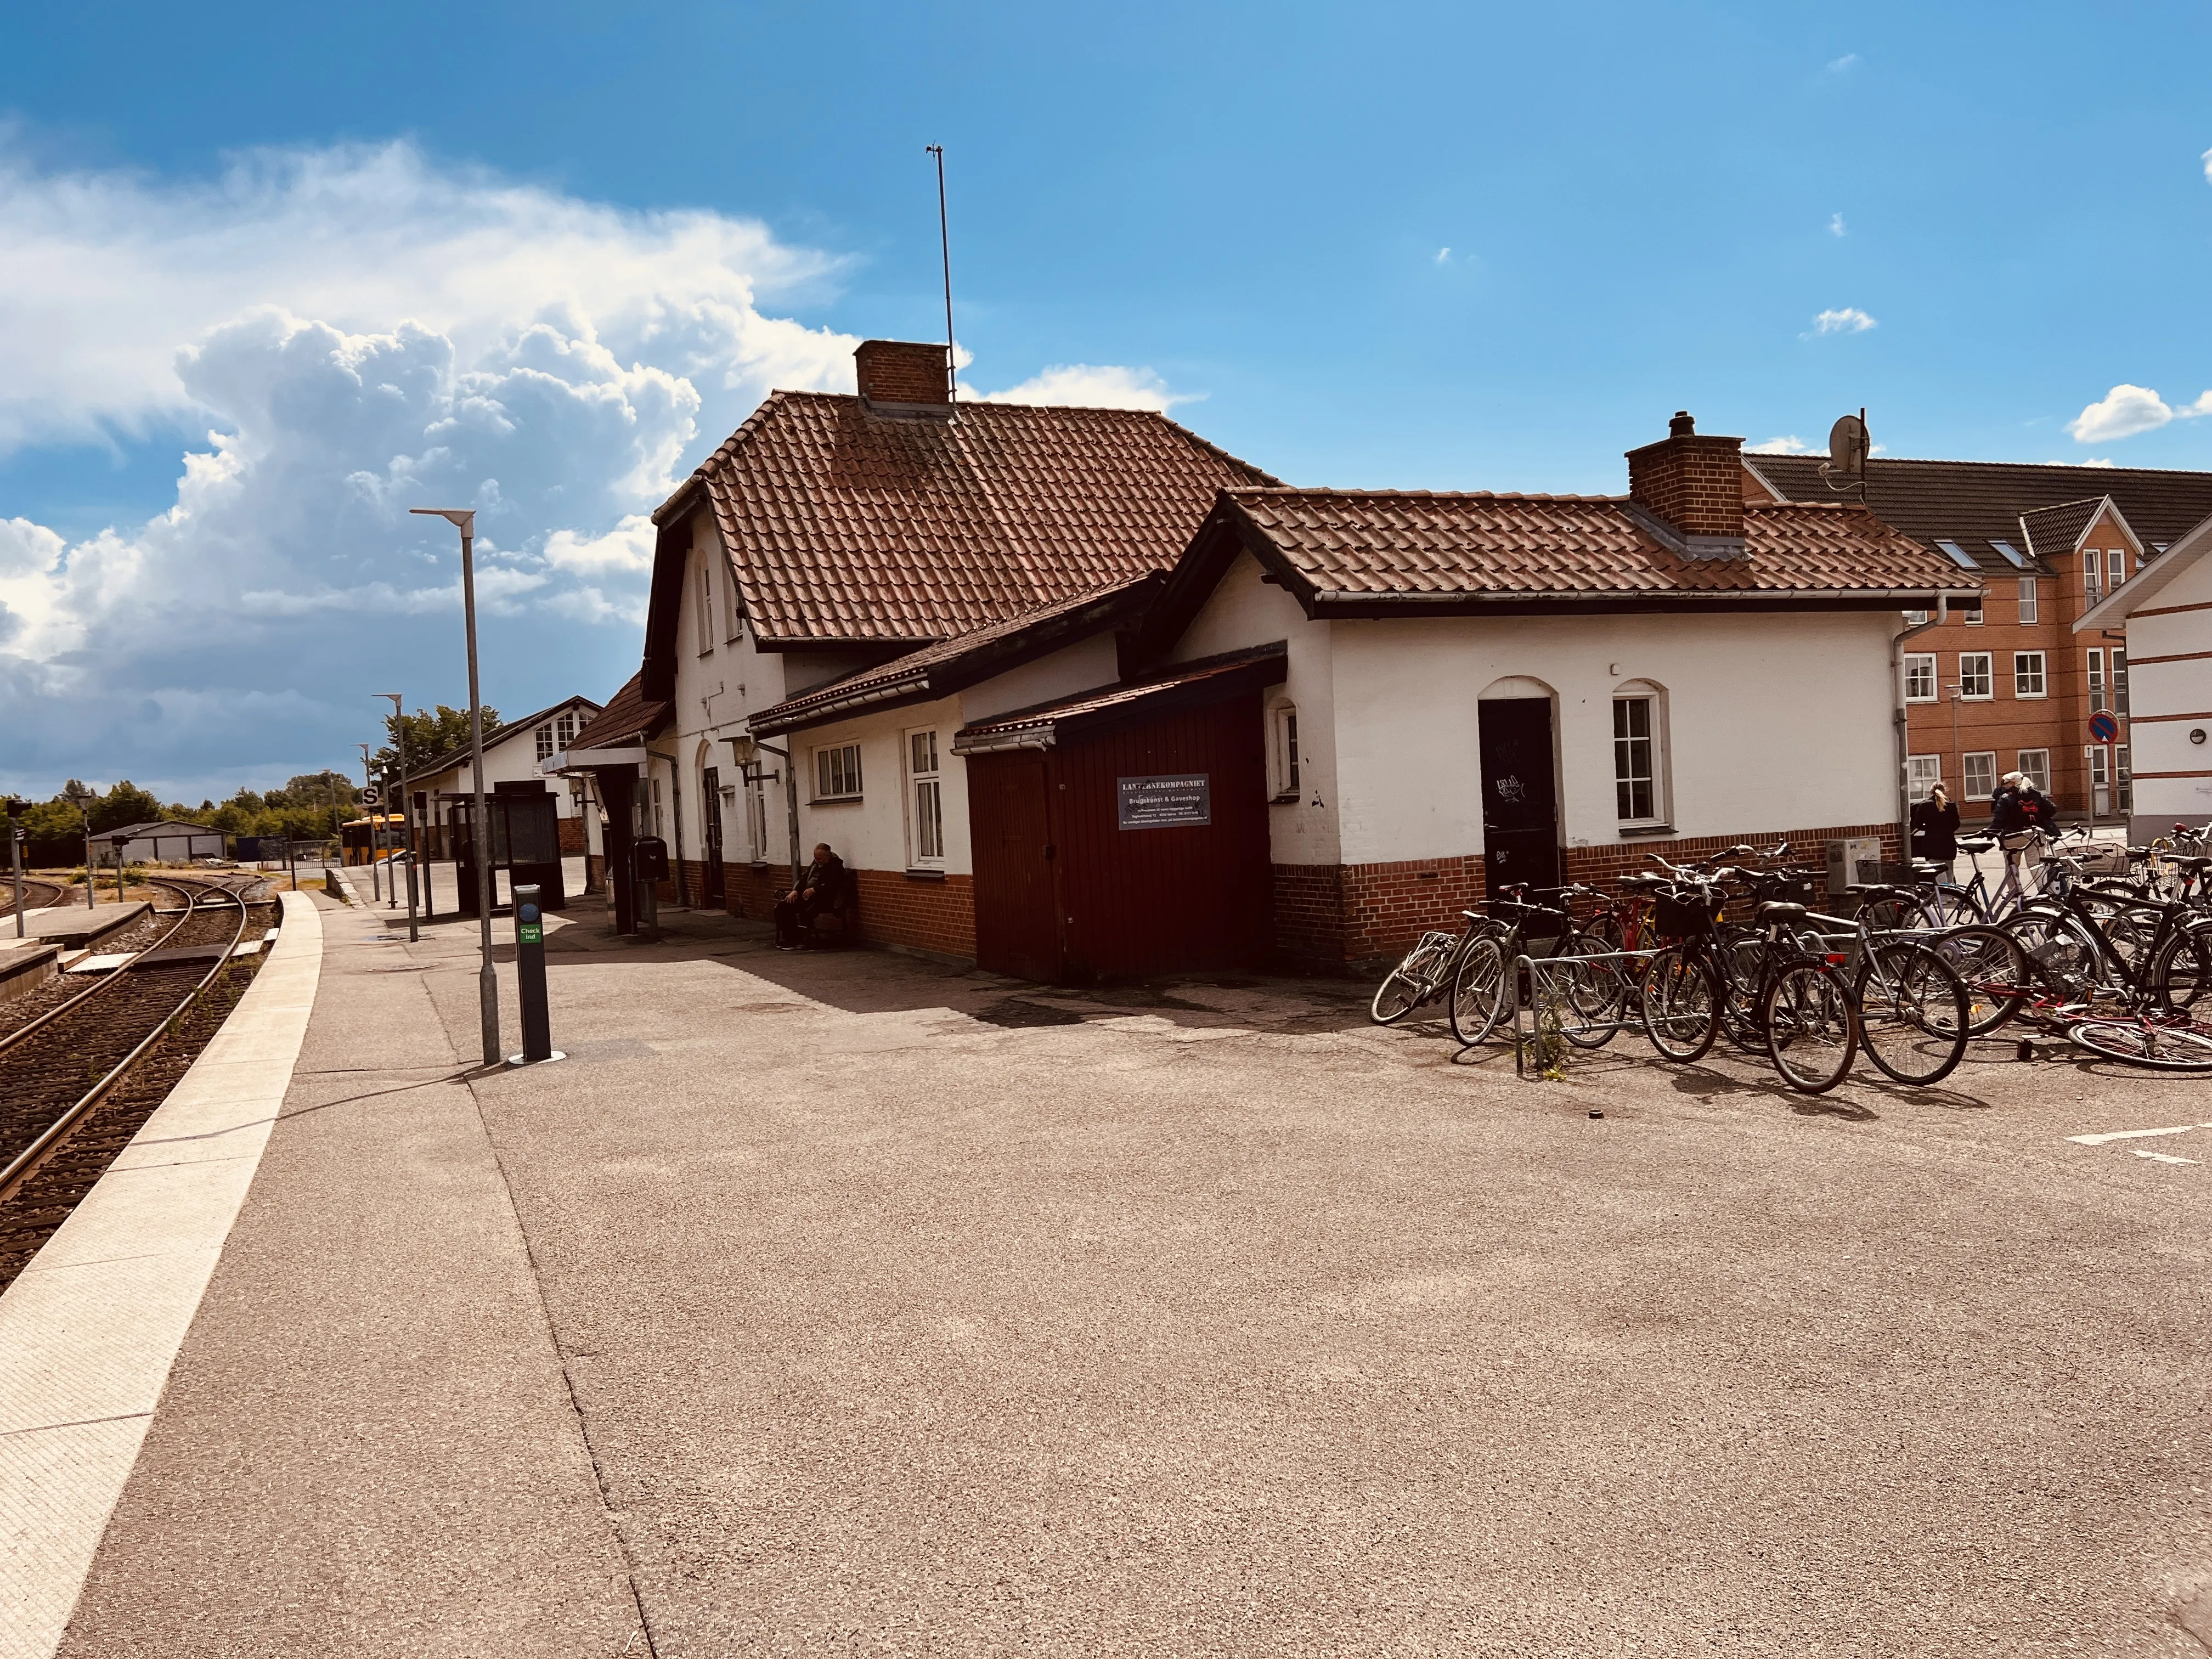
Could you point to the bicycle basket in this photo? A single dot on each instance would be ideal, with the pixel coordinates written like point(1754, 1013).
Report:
point(1685, 912)
point(2109, 859)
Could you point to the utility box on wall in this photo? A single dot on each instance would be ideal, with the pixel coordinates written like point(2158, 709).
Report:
point(1853, 859)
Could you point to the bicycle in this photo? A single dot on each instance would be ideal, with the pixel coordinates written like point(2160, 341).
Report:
point(1799, 1001)
point(1483, 987)
point(1424, 973)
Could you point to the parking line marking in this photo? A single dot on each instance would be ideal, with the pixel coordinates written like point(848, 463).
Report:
point(2168, 1158)
point(2134, 1134)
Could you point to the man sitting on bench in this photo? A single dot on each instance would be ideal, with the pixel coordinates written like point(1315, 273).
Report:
point(819, 888)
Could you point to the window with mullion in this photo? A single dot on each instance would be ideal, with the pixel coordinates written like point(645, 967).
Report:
point(1635, 771)
point(1976, 680)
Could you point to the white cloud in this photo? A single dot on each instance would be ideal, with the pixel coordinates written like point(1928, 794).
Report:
point(2100, 462)
point(1839, 65)
point(2127, 409)
point(1792, 445)
point(1836, 225)
point(1094, 387)
point(1848, 320)
point(1444, 256)
point(2207, 159)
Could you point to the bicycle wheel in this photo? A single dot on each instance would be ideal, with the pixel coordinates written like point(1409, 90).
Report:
point(2060, 951)
point(1678, 1003)
point(2142, 1043)
point(1741, 963)
point(1398, 995)
point(1479, 991)
point(1913, 1013)
point(1596, 993)
point(1957, 907)
point(2182, 970)
point(1994, 967)
point(1894, 913)
point(1811, 1027)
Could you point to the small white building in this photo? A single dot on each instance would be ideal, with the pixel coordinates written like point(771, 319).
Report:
point(165, 841)
point(2164, 617)
point(513, 755)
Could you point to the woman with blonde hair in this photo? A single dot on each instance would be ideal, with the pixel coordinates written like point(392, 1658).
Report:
point(1935, 827)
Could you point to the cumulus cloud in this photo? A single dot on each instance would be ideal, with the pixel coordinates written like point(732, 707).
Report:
point(1836, 225)
point(2127, 409)
point(1444, 256)
point(1840, 65)
point(1094, 387)
point(1789, 446)
point(1849, 320)
point(2207, 159)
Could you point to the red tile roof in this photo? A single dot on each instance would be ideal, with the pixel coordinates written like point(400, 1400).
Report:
point(629, 718)
point(845, 525)
point(948, 665)
point(1403, 544)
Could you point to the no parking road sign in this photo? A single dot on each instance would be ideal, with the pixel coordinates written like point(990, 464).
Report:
point(2104, 728)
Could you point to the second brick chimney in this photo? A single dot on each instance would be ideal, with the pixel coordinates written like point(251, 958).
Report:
point(1693, 488)
point(902, 377)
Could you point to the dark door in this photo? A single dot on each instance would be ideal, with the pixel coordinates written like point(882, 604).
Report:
point(1520, 806)
point(710, 784)
point(1017, 925)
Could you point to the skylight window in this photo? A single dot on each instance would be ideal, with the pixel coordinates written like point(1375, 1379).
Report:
point(1957, 554)
point(2010, 554)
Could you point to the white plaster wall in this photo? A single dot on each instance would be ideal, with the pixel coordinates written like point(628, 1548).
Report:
point(2168, 689)
point(1773, 722)
point(1243, 612)
point(871, 833)
point(1085, 665)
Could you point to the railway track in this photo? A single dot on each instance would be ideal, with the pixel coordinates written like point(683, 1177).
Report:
point(77, 1081)
point(39, 893)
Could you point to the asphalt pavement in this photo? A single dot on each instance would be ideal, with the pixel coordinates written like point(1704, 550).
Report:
point(845, 1302)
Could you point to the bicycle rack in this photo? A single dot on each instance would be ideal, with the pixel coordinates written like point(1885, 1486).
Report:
point(1525, 971)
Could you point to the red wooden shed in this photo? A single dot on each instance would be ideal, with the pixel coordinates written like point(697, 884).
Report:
point(1124, 832)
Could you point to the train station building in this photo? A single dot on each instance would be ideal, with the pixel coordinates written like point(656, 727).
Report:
point(1075, 695)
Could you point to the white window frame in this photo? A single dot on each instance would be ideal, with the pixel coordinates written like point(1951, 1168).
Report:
point(2093, 680)
point(2036, 764)
point(1988, 769)
point(2093, 576)
point(545, 745)
point(2124, 781)
point(2031, 674)
point(922, 751)
point(1916, 618)
point(2116, 569)
point(564, 730)
point(837, 772)
point(1988, 676)
point(1970, 612)
point(756, 813)
point(1653, 699)
point(706, 586)
point(1920, 668)
point(2030, 607)
point(2120, 681)
point(1922, 774)
point(2099, 777)
point(1286, 764)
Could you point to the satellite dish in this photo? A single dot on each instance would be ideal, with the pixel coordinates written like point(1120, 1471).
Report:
point(1848, 447)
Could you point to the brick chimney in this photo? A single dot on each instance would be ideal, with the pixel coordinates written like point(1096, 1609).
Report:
point(1690, 491)
point(900, 377)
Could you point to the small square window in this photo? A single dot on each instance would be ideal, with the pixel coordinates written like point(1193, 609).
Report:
point(837, 773)
point(1976, 678)
point(1980, 774)
point(2028, 676)
point(1920, 676)
point(1922, 773)
point(1970, 612)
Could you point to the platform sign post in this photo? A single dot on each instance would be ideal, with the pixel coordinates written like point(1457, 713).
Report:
point(16, 834)
point(530, 979)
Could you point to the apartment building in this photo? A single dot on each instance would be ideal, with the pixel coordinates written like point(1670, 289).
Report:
point(2010, 683)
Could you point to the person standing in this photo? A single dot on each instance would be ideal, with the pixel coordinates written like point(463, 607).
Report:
point(2007, 809)
point(1936, 828)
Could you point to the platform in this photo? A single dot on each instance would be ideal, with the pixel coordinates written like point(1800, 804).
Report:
point(841, 1302)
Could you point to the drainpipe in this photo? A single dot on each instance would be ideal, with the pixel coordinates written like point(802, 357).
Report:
point(1898, 718)
point(676, 812)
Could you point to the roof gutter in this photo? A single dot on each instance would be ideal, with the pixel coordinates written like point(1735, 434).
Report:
point(1900, 715)
point(1034, 737)
point(793, 717)
point(1614, 596)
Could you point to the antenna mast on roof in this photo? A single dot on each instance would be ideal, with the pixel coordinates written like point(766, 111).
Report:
point(945, 242)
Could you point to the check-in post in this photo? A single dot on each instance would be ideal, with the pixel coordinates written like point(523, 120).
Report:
point(530, 980)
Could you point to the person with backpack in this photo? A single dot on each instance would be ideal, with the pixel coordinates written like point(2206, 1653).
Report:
point(2007, 808)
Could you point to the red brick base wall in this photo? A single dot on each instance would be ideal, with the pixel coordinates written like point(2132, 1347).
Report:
point(572, 835)
point(1357, 915)
point(894, 909)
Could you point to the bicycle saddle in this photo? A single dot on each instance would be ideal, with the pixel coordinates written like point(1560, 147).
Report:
point(1867, 890)
point(1976, 843)
point(1777, 910)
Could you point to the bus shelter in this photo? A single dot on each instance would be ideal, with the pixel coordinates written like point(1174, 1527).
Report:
point(525, 843)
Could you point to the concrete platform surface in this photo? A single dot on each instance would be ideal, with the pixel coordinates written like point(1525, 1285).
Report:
point(844, 1303)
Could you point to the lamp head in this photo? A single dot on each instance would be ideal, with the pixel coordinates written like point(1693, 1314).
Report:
point(463, 519)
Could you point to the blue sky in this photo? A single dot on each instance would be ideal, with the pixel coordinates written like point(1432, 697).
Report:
point(554, 252)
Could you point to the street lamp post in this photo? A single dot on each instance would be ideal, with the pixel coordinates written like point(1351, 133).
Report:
point(406, 805)
point(464, 520)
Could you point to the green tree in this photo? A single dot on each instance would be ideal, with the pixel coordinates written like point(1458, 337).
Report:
point(428, 735)
point(126, 803)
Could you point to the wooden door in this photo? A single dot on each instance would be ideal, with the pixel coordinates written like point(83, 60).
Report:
point(1520, 799)
point(1018, 923)
point(710, 812)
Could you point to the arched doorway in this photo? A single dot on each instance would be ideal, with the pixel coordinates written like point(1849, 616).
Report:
point(712, 894)
point(1515, 726)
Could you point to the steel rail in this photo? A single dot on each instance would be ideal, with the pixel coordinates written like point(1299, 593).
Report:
point(193, 895)
point(28, 1159)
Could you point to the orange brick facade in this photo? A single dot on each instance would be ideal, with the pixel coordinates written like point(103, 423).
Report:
point(894, 909)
